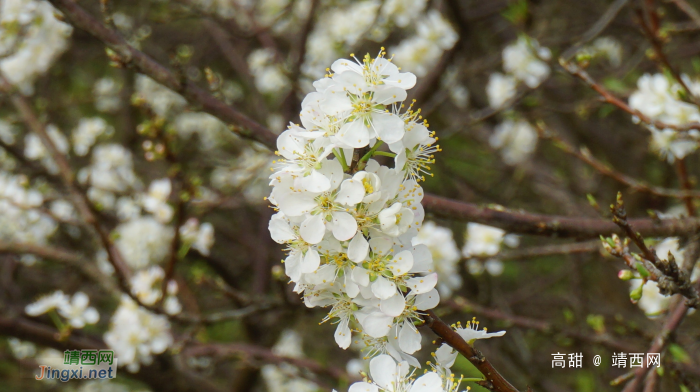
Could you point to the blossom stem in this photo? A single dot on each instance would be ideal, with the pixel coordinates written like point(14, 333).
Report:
point(341, 158)
point(371, 152)
point(384, 153)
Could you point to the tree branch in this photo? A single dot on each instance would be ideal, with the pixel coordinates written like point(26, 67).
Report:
point(493, 379)
point(79, 18)
point(552, 225)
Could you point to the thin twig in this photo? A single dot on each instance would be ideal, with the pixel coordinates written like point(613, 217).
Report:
point(585, 156)
point(678, 280)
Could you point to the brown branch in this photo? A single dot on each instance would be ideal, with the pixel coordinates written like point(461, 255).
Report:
point(493, 380)
point(63, 255)
point(608, 97)
point(686, 185)
point(688, 9)
point(585, 156)
point(552, 225)
point(79, 18)
point(550, 250)
point(76, 196)
point(597, 28)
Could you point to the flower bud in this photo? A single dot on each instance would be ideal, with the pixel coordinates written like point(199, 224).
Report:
point(625, 275)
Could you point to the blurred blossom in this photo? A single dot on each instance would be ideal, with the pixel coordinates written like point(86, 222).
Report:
point(21, 349)
point(34, 148)
point(500, 89)
point(87, 132)
point(160, 99)
point(445, 255)
point(135, 334)
point(143, 241)
point(516, 140)
point(525, 60)
point(106, 92)
point(43, 40)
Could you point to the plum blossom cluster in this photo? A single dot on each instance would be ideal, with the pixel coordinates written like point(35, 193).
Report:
point(74, 310)
point(665, 100)
point(31, 38)
point(348, 221)
point(481, 248)
point(523, 61)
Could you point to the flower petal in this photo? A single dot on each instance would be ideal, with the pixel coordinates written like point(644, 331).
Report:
point(312, 229)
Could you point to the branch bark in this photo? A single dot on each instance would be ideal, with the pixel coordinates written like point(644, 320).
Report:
point(552, 225)
point(493, 379)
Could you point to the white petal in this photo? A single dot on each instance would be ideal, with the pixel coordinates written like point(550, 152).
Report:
point(427, 300)
point(360, 276)
point(312, 229)
point(292, 266)
point(335, 102)
point(409, 339)
point(296, 203)
point(404, 80)
point(343, 336)
point(315, 182)
point(351, 192)
point(358, 248)
point(377, 324)
point(393, 306)
point(402, 263)
point(344, 226)
point(363, 387)
point(383, 370)
point(91, 316)
point(389, 95)
point(280, 230)
point(383, 288)
point(422, 284)
point(388, 127)
point(429, 382)
point(310, 262)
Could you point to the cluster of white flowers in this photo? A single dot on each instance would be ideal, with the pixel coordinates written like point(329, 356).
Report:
point(484, 242)
point(199, 237)
point(348, 222)
point(515, 139)
point(31, 38)
point(349, 234)
point(87, 132)
point(34, 148)
point(135, 334)
point(421, 52)
point(338, 28)
point(523, 61)
point(21, 219)
point(74, 309)
point(661, 99)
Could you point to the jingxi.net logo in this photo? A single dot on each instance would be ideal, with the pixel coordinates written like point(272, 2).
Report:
point(78, 365)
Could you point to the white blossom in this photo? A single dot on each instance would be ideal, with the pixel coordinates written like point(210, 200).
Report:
point(516, 140)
